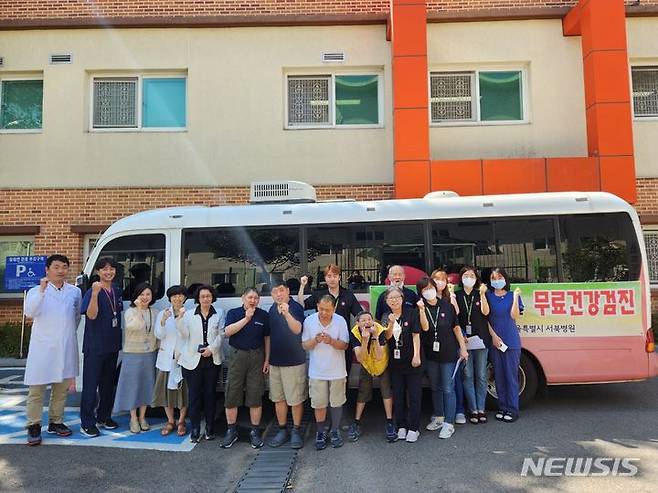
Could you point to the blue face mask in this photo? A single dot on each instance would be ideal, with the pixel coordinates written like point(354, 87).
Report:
point(498, 283)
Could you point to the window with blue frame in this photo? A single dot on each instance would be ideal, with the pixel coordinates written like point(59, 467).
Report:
point(117, 105)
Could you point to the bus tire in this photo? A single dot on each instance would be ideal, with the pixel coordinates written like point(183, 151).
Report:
point(528, 382)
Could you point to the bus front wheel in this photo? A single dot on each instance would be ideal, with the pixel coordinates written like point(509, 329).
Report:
point(528, 382)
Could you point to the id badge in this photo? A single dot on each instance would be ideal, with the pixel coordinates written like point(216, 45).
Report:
point(115, 322)
point(396, 354)
point(469, 330)
point(436, 346)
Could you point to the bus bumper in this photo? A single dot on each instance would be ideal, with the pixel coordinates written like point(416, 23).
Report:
point(653, 364)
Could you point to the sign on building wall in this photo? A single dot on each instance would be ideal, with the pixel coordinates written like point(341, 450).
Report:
point(24, 272)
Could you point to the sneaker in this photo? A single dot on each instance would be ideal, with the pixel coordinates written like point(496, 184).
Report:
point(402, 434)
point(509, 418)
point(60, 429)
point(91, 432)
point(391, 434)
point(34, 434)
point(195, 435)
point(230, 438)
point(209, 434)
point(499, 415)
point(320, 440)
point(296, 439)
point(336, 439)
point(353, 432)
point(435, 423)
point(279, 439)
point(446, 430)
point(460, 419)
point(256, 438)
point(108, 424)
point(412, 436)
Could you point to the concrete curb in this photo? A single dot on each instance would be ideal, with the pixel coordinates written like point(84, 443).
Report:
point(12, 362)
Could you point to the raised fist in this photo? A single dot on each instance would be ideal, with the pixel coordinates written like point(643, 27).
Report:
point(43, 283)
point(96, 287)
point(483, 289)
point(249, 312)
point(303, 281)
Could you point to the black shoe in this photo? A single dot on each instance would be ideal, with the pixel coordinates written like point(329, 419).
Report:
point(256, 438)
point(34, 434)
point(91, 432)
point(230, 438)
point(279, 439)
point(60, 429)
point(320, 440)
point(353, 432)
point(336, 439)
point(209, 434)
point(296, 439)
point(195, 435)
point(108, 424)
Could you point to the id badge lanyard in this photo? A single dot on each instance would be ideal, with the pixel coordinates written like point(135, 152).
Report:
point(469, 310)
point(436, 345)
point(398, 340)
point(113, 305)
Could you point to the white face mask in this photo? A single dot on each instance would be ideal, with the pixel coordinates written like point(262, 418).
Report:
point(429, 294)
point(441, 285)
point(468, 282)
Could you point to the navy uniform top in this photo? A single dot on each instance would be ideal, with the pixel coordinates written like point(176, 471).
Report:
point(442, 319)
point(100, 337)
point(346, 303)
point(252, 335)
point(410, 300)
point(285, 346)
point(410, 324)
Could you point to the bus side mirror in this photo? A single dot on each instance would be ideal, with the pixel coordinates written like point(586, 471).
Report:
point(82, 282)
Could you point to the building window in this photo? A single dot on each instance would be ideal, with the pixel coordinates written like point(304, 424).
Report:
point(336, 100)
point(651, 244)
point(139, 103)
point(477, 97)
point(21, 104)
point(645, 91)
point(13, 246)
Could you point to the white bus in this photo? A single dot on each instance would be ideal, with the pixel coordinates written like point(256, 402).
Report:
point(578, 258)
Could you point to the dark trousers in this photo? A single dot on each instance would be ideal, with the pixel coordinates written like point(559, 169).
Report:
point(506, 373)
point(98, 379)
point(407, 385)
point(201, 385)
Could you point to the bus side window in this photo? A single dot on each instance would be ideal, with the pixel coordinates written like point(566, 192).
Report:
point(140, 258)
point(599, 247)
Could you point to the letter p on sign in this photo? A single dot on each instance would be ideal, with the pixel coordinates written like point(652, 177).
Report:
point(20, 269)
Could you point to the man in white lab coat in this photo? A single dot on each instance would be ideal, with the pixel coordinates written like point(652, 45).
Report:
point(54, 306)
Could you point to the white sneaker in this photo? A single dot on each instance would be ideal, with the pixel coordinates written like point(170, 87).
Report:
point(402, 434)
point(446, 430)
point(435, 423)
point(460, 419)
point(412, 436)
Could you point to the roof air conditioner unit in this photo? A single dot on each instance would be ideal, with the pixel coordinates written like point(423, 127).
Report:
point(264, 192)
point(442, 194)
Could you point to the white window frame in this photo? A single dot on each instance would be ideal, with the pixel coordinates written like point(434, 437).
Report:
point(87, 248)
point(140, 90)
point(476, 95)
point(311, 75)
point(13, 296)
point(23, 130)
point(631, 66)
point(653, 229)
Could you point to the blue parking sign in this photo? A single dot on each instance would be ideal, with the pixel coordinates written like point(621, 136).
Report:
point(24, 272)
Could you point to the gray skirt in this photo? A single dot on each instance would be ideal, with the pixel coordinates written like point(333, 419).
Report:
point(136, 380)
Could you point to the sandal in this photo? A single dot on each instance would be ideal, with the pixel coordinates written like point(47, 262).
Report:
point(499, 415)
point(182, 431)
point(482, 418)
point(167, 428)
point(474, 418)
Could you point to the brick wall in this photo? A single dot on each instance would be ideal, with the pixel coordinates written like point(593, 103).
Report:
point(51, 9)
point(647, 196)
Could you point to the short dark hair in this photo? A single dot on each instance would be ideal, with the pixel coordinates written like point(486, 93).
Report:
point(176, 289)
point(363, 313)
point(278, 283)
point(329, 298)
point(57, 258)
point(139, 289)
point(502, 272)
point(103, 262)
point(206, 287)
point(422, 283)
point(465, 269)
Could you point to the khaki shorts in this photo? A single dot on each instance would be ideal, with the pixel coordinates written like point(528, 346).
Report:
point(288, 383)
point(327, 392)
point(245, 375)
point(366, 385)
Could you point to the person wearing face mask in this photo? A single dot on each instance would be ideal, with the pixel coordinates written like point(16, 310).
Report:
point(504, 309)
point(396, 278)
point(446, 290)
point(404, 363)
point(443, 344)
point(473, 323)
point(248, 332)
